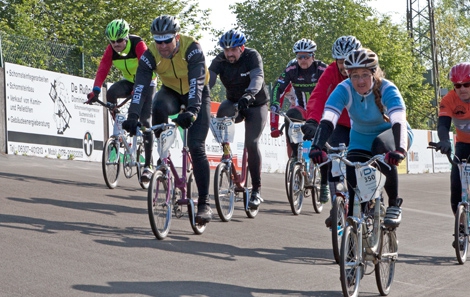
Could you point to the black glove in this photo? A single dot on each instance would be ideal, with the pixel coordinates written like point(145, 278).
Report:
point(444, 146)
point(309, 129)
point(185, 119)
point(394, 157)
point(245, 101)
point(93, 96)
point(317, 155)
point(131, 124)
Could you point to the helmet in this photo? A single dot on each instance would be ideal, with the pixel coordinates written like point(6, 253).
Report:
point(361, 58)
point(460, 73)
point(117, 29)
point(232, 38)
point(305, 45)
point(165, 24)
point(344, 45)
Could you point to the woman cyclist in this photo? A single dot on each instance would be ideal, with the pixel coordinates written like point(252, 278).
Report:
point(378, 115)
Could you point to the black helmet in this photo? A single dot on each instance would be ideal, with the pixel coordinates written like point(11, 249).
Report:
point(165, 24)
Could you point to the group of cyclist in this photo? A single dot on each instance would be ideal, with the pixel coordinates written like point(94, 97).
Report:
point(348, 101)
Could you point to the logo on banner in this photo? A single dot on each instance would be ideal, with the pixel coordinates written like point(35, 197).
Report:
point(88, 144)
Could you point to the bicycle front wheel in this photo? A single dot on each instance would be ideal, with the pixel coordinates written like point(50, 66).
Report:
point(317, 205)
point(193, 195)
point(224, 195)
point(141, 160)
point(296, 190)
point(159, 204)
point(385, 267)
point(461, 234)
point(111, 163)
point(250, 212)
point(350, 266)
point(287, 177)
point(338, 222)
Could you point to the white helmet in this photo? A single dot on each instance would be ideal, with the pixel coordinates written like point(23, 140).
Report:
point(344, 45)
point(305, 46)
point(362, 58)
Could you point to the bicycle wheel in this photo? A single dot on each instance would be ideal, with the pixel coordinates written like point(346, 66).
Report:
point(296, 190)
point(338, 222)
point(159, 204)
point(141, 160)
point(287, 177)
point(385, 267)
point(350, 266)
point(193, 195)
point(251, 213)
point(461, 234)
point(111, 163)
point(317, 205)
point(224, 195)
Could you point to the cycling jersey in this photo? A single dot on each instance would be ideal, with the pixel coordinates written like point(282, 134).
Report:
point(452, 106)
point(325, 86)
point(185, 73)
point(126, 61)
point(303, 81)
point(244, 76)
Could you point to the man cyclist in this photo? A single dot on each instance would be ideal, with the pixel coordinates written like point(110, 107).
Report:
point(124, 51)
point(334, 74)
point(379, 125)
point(241, 71)
point(179, 62)
point(454, 108)
point(303, 74)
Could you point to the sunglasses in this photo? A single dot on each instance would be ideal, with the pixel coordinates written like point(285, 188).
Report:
point(465, 85)
point(166, 41)
point(365, 76)
point(117, 41)
point(303, 57)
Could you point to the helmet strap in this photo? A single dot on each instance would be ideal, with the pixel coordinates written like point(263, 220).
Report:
point(177, 47)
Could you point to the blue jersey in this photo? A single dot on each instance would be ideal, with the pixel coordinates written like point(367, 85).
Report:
point(367, 122)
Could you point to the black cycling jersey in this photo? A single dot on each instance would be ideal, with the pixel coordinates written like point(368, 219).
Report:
point(303, 81)
point(244, 76)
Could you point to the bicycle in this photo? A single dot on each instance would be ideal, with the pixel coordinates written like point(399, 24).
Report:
point(462, 216)
point(302, 176)
point(119, 151)
point(340, 200)
point(228, 182)
point(365, 239)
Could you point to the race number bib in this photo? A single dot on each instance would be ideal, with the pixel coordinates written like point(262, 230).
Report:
point(223, 129)
point(370, 182)
point(465, 171)
point(165, 141)
point(295, 133)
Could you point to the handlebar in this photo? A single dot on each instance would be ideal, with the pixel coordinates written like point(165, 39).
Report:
point(334, 156)
point(434, 145)
point(163, 127)
point(109, 105)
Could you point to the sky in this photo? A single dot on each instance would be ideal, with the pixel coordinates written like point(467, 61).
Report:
point(223, 19)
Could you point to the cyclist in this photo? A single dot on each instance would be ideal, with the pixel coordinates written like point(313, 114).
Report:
point(454, 108)
point(379, 124)
point(303, 74)
point(333, 75)
point(241, 71)
point(124, 51)
point(179, 62)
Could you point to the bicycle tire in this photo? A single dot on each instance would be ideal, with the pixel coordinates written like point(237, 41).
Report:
point(224, 193)
point(350, 267)
point(385, 266)
point(296, 190)
point(251, 213)
point(197, 227)
point(461, 234)
point(159, 207)
point(317, 205)
point(111, 163)
point(140, 158)
point(338, 222)
point(287, 178)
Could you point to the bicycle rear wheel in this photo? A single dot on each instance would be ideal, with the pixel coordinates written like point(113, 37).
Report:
point(251, 213)
point(111, 162)
point(159, 207)
point(296, 190)
point(350, 266)
point(193, 196)
point(385, 267)
point(287, 178)
point(338, 222)
point(224, 194)
point(141, 160)
point(461, 234)
point(317, 205)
